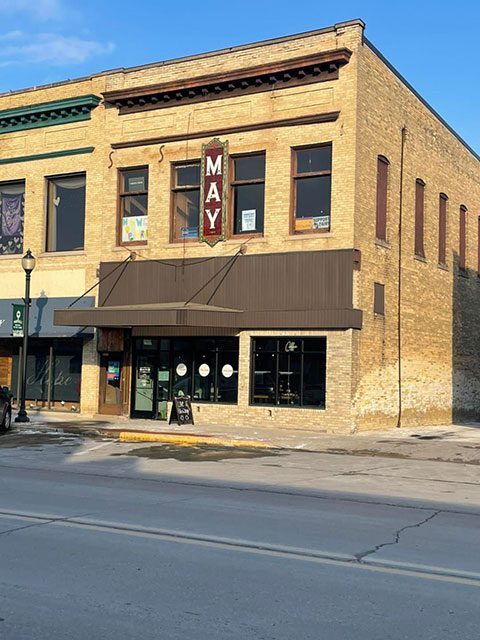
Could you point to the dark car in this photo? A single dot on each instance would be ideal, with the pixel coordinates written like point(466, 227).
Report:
point(5, 409)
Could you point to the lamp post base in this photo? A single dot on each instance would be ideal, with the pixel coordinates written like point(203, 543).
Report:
point(22, 417)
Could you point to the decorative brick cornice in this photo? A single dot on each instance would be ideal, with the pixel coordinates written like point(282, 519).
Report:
point(48, 114)
point(318, 67)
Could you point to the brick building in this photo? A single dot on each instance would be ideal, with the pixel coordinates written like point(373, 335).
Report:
point(285, 231)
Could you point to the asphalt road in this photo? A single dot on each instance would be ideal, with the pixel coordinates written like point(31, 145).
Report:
point(107, 540)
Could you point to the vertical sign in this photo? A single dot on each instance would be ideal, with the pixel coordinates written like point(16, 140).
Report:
point(17, 320)
point(213, 190)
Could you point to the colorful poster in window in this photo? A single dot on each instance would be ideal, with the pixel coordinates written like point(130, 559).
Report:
point(213, 179)
point(113, 370)
point(249, 219)
point(135, 229)
point(318, 223)
point(321, 222)
point(11, 223)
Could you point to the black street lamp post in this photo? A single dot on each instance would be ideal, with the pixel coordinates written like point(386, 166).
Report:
point(28, 264)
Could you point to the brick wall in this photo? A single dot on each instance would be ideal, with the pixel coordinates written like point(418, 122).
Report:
point(439, 309)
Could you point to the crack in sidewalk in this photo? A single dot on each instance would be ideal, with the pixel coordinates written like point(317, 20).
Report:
point(360, 557)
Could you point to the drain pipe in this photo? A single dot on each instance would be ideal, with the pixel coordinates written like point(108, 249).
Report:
point(399, 300)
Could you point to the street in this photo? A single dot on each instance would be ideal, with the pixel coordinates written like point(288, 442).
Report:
point(101, 539)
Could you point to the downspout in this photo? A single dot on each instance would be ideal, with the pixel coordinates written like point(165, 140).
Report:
point(399, 299)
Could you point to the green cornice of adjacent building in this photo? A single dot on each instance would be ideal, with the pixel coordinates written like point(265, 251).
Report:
point(48, 114)
point(48, 155)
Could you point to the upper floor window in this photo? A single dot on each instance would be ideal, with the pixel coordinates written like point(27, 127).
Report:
point(66, 213)
point(248, 193)
point(462, 238)
point(12, 195)
point(133, 205)
point(186, 201)
point(419, 217)
point(312, 178)
point(382, 192)
point(442, 229)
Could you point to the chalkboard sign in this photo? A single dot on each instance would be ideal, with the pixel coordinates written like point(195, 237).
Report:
point(181, 410)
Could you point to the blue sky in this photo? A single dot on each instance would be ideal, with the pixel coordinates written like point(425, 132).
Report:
point(433, 44)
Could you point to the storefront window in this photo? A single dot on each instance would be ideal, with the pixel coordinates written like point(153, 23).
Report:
point(66, 213)
point(248, 191)
point(312, 178)
point(206, 369)
point(53, 371)
point(134, 205)
point(186, 201)
point(11, 217)
point(289, 372)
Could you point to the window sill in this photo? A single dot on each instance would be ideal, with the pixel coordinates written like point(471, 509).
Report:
point(180, 245)
point(11, 256)
point(382, 243)
point(245, 239)
point(311, 236)
point(130, 247)
point(62, 254)
point(420, 258)
point(443, 267)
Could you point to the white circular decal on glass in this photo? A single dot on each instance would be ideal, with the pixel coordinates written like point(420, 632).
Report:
point(181, 369)
point(204, 370)
point(227, 370)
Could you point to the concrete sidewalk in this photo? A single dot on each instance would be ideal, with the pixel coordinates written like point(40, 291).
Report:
point(449, 443)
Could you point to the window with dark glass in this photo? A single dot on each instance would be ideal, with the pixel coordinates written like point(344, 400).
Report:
point(12, 196)
point(133, 196)
point(206, 369)
point(442, 229)
point(462, 239)
point(312, 178)
point(186, 201)
point(382, 193)
point(419, 218)
point(66, 213)
point(248, 193)
point(379, 299)
point(289, 371)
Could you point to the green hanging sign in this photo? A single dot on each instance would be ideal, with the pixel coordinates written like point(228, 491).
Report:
point(18, 320)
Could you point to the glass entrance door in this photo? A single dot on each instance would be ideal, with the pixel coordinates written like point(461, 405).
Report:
point(144, 393)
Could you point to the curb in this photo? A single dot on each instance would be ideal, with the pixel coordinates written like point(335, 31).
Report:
point(184, 440)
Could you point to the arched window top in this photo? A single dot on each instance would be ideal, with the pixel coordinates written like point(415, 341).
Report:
point(420, 182)
point(383, 159)
point(443, 196)
point(463, 208)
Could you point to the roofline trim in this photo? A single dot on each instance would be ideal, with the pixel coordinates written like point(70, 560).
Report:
point(426, 104)
point(206, 54)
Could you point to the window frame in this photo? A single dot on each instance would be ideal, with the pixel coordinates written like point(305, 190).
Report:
point(48, 180)
point(121, 194)
point(382, 216)
point(277, 352)
point(419, 230)
point(231, 199)
point(173, 191)
point(442, 221)
point(462, 239)
point(19, 182)
point(294, 176)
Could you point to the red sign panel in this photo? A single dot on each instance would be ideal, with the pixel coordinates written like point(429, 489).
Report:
point(212, 198)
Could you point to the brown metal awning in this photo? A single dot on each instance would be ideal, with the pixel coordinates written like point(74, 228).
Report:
point(177, 314)
point(163, 313)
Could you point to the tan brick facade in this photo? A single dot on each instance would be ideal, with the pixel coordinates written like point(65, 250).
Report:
point(439, 378)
